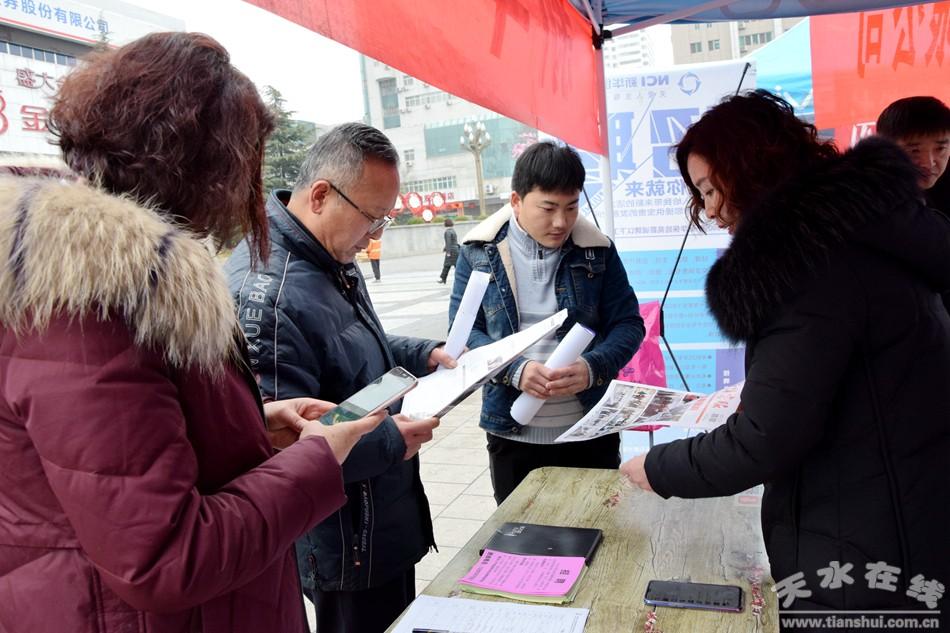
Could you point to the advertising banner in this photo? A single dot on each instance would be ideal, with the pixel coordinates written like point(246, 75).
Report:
point(648, 113)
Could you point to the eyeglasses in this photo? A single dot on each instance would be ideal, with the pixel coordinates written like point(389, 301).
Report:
point(377, 224)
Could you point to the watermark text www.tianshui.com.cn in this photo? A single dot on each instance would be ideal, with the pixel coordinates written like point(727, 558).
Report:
point(929, 621)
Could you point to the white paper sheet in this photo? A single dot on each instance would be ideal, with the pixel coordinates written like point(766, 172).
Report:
point(467, 311)
point(526, 406)
point(438, 392)
point(459, 615)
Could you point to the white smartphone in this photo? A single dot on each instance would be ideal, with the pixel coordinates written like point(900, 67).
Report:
point(377, 395)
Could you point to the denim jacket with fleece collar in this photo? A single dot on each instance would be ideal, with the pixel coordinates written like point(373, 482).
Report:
point(591, 283)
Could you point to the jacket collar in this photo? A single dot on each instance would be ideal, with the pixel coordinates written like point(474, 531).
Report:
point(157, 276)
point(299, 240)
point(583, 235)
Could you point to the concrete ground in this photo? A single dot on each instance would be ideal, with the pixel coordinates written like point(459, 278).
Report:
point(410, 301)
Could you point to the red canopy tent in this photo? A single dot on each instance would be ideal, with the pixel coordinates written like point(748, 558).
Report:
point(535, 61)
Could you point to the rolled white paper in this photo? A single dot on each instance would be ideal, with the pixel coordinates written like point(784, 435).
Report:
point(465, 316)
point(568, 350)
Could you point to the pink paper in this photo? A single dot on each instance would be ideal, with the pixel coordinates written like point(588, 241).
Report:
point(526, 575)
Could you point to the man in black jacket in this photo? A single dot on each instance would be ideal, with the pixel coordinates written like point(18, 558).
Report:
point(312, 331)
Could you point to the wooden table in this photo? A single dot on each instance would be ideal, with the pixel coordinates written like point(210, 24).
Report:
point(645, 538)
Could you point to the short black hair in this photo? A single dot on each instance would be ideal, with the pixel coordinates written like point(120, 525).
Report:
point(549, 167)
point(912, 117)
point(449, 222)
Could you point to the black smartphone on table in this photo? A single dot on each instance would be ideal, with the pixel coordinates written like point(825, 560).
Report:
point(694, 595)
point(375, 396)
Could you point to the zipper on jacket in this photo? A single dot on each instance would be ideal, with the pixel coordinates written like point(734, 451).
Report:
point(361, 534)
point(356, 550)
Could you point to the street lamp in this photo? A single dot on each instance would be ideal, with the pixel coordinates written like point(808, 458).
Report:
point(475, 139)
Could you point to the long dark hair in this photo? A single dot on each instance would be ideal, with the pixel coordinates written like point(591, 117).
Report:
point(169, 121)
point(753, 143)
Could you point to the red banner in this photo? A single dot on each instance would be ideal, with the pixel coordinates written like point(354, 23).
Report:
point(530, 60)
point(861, 62)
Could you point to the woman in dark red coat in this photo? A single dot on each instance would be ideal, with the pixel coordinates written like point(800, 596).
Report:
point(139, 490)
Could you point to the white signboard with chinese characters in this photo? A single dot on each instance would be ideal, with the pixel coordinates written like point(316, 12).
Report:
point(648, 114)
point(27, 87)
point(84, 21)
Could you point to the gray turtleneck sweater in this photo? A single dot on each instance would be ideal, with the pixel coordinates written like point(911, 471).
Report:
point(535, 268)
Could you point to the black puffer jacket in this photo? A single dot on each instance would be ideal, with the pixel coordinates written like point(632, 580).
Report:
point(312, 331)
point(833, 284)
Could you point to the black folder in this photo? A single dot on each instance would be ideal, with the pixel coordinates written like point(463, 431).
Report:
point(529, 539)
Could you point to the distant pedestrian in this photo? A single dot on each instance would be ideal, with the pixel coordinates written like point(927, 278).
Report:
point(374, 250)
point(451, 249)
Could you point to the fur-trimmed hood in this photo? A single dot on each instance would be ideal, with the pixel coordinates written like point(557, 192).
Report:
point(73, 249)
point(584, 234)
point(867, 196)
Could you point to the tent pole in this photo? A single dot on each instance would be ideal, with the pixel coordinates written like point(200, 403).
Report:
point(605, 168)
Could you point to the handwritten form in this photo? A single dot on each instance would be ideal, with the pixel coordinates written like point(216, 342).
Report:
point(480, 616)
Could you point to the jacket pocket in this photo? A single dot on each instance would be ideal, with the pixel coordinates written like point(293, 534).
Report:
point(587, 279)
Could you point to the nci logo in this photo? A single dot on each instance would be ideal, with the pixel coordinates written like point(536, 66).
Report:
point(689, 84)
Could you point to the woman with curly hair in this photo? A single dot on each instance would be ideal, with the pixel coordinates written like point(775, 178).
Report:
point(139, 489)
point(833, 283)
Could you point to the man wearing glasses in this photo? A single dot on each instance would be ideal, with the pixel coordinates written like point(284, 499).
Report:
point(312, 331)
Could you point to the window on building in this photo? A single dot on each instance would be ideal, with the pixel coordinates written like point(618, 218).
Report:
point(767, 37)
point(409, 155)
point(406, 80)
point(695, 47)
point(714, 45)
point(36, 53)
point(389, 100)
point(429, 184)
point(427, 98)
point(696, 27)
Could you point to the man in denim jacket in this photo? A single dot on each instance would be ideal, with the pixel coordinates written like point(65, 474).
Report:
point(543, 258)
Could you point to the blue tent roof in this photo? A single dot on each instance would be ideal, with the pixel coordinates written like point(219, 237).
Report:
point(657, 11)
point(783, 66)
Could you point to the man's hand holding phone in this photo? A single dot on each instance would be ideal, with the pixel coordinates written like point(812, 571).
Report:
point(415, 432)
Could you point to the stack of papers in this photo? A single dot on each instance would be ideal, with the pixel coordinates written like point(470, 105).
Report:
point(480, 616)
point(545, 579)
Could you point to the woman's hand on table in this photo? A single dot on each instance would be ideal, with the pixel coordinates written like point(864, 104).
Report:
point(633, 471)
